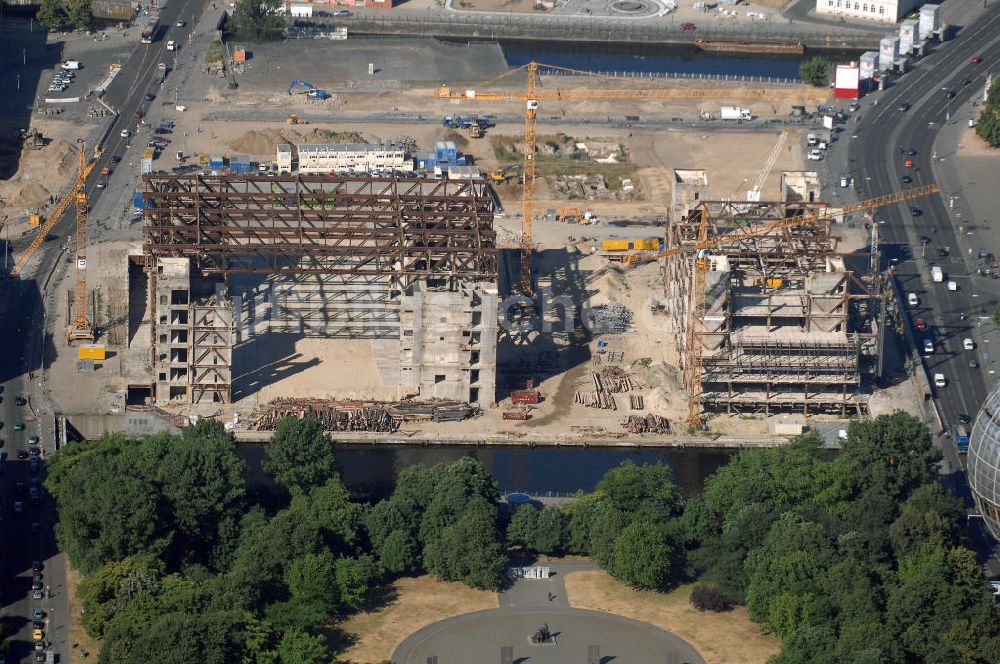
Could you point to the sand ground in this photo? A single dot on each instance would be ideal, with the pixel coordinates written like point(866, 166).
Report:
point(721, 638)
point(418, 602)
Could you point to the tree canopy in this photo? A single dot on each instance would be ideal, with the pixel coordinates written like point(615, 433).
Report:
point(256, 20)
point(813, 71)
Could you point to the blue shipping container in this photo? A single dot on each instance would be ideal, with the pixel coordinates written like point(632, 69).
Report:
point(137, 201)
point(216, 163)
point(239, 164)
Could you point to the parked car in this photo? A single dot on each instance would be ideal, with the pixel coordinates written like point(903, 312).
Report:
point(688, 26)
point(920, 324)
point(342, 12)
point(126, 133)
point(179, 24)
point(37, 614)
point(149, 96)
point(950, 94)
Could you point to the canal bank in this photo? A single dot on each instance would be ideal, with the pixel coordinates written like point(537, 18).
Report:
point(580, 29)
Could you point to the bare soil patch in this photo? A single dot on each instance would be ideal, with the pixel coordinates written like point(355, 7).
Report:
point(419, 602)
point(78, 638)
point(721, 638)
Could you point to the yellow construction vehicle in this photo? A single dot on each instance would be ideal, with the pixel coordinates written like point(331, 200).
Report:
point(572, 215)
point(295, 120)
point(499, 176)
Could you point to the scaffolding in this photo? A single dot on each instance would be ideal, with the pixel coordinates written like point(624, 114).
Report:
point(778, 323)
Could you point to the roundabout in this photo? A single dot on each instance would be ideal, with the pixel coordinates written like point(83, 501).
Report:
point(577, 636)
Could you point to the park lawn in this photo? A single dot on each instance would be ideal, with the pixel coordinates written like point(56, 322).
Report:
point(721, 638)
point(418, 602)
point(78, 637)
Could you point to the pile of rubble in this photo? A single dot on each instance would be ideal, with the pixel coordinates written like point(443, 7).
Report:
point(374, 416)
point(647, 424)
point(618, 380)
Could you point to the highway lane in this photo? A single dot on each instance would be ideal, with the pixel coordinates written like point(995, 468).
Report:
point(22, 339)
point(877, 158)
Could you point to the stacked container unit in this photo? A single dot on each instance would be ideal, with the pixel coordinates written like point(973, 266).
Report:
point(216, 163)
point(887, 53)
point(930, 21)
point(240, 164)
point(868, 64)
point(909, 36)
point(446, 152)
point(146, 166)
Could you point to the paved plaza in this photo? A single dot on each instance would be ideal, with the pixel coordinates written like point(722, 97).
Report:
point(580, 636)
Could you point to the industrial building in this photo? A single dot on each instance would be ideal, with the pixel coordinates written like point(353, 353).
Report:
point(409, 264)
point(343, 158)
point(776, 323)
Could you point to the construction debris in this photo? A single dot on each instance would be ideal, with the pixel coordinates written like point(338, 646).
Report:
point(372, 416)
point(611, 318)
point(647, 424)
point(618, 380)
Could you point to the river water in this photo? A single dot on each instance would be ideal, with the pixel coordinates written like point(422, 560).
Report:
point(644, 58)
point(371, 470)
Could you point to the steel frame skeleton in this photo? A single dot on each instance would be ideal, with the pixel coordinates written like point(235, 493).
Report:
point(314, 224)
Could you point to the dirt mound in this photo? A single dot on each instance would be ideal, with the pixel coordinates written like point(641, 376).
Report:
point(264, 142)
point(460, 141)
point(65, 155)
point(28, 194)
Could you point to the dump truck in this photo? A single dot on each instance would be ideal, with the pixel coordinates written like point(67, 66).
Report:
point(962, 439)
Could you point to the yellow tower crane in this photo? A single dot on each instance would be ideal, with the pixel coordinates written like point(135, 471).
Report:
point(695, 345)
point(79, 328)
point(63, 205)
point(534, 94)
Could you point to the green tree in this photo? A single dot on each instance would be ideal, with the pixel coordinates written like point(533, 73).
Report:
point(255, 20)
point(176, 638)
point(930, 515)
point(299, 647)
point(311, 581)
point(892, 454)
point(80, 14)
point(469, 551)
point(399, 553)
point(354, 577)
point(550, 531)
point(51, 15)
point(643, 556)
point(204, 482)
point(522, 527)
point(647, 490)
point(813, 71)
point(108, 589)
point(300, 453)
point(107, 512)
point(606, 525)
point(988, 124)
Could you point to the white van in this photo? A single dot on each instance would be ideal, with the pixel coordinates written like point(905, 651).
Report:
point(968, 344)
point(939, 380)
point(71, 64)
point(953, 285)
point(912, 300)
point(928, 347)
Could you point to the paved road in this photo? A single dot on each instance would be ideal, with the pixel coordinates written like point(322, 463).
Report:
point(27, 345)
point(877, 163)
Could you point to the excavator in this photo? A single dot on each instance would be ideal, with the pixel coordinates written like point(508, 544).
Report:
point(295, 120)
point(311, 90)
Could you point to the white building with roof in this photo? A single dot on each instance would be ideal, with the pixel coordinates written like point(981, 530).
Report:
point(350, 158)
point(881, 11)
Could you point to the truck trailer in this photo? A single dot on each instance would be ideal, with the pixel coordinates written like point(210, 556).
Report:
point(150, 29)
point(735, 113)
